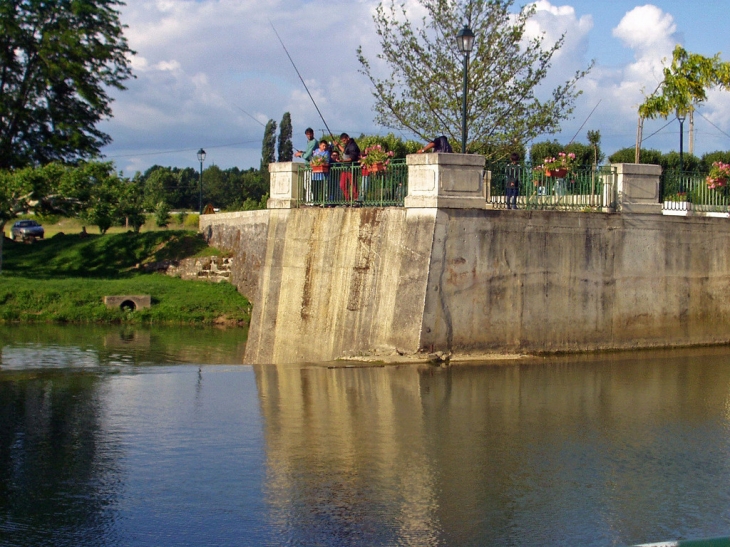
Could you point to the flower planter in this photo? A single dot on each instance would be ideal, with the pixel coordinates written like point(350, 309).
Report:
point(556, 173)
point(320, 168)
point(376, 168)
point(364, 170)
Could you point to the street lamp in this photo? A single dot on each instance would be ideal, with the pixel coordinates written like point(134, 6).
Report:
point(465, 42)
point(201, 158)
point(681, 118)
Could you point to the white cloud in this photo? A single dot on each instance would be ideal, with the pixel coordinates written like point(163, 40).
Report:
point(200, 61)
point(648, 31)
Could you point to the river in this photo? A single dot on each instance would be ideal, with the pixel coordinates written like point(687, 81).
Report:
point(112, 436)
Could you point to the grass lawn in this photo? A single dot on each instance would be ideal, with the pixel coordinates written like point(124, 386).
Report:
point(64, 279)
point(54, 225)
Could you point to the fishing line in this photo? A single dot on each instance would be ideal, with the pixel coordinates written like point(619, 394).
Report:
point(249, 115)
point(300, 77)
point(585, 122)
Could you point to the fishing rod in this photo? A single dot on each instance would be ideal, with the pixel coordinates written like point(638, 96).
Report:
point(300, 77)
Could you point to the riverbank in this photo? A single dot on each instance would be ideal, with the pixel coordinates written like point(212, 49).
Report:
point(63, 279)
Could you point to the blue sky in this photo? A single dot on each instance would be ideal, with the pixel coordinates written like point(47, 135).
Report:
point(201, 63)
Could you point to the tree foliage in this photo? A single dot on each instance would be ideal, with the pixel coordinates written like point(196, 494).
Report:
point(584, 153)
point(685, 84)
point(398, 146)
point(58, 59)
point(286, 151)
point(422, 93)
point(268, 146)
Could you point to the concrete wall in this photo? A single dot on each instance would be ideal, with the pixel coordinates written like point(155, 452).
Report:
point(340, 282)
point(331, 283)
point(245, 234)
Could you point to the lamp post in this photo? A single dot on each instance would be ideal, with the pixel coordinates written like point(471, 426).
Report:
point(681, 118)
point(201, 158)
point(465, 42)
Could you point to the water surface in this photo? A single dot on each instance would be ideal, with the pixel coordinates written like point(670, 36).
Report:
point(119, 437)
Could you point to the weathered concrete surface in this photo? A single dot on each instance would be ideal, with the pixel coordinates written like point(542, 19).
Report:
point(244, 234)
point(340, 282)
point(446, 181)
point(335, 283)
point(550, 281)
point(638, 188)
point(215, 269)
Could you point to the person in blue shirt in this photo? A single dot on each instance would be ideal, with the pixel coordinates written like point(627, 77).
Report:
point(306, 155)
point(318, 179)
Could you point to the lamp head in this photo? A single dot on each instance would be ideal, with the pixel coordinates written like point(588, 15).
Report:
point(201, 155)
point(465, 40)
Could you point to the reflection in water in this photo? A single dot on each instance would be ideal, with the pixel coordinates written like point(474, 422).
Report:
point(575, 453)
point(58, 468)
point(53, 346)
point(597, 451)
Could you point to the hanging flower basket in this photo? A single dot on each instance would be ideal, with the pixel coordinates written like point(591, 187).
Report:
point(556, 173)
point(377, 168)
point(320, 168)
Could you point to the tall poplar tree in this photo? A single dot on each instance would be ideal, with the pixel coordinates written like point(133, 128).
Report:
point(268, 146)
point(58, 59)
point(422, 91)
point(286, 152)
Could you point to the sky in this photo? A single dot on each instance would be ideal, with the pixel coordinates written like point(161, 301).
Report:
point(210, 73)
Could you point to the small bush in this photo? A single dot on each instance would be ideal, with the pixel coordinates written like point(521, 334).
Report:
point(192, 221)
point(162, 214)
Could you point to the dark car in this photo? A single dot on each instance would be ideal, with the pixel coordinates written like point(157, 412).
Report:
point(25, 229)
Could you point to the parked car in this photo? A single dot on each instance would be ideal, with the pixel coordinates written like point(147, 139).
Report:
point(25, 229)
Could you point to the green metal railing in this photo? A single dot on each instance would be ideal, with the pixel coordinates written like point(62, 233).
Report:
point(688, 191)
point(583, 189)
point(351, 185)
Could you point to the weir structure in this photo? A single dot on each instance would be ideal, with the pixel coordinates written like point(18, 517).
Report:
point(447, 272)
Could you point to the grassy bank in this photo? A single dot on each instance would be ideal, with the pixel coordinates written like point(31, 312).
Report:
point(64, 279)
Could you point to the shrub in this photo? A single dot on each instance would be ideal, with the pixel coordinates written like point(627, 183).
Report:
point(162, 214)
point(192, 221)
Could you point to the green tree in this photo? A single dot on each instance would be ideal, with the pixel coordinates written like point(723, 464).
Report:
point(58, 60)
point(157, 187)
point(131, 209)
point(268, 146)
point(710, 157)
point(286, 151)
point(584, 153)
point(627, 155)
point(162, 214)
point(398, 146)
point(685, 84)
point(690, 162)
point(594, 139)
point(103, 207)
point(420, 95)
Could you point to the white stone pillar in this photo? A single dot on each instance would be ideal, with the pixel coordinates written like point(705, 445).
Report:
point(284, 185)
point(451, 181)
point(637, 188)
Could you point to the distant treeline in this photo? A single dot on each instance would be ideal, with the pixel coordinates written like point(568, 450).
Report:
point(225, 189)
point(670, 160)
